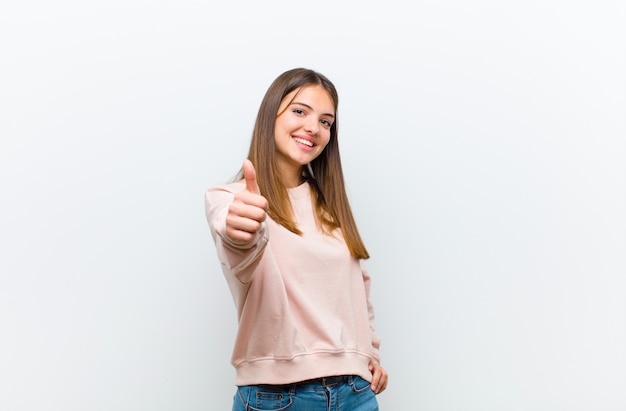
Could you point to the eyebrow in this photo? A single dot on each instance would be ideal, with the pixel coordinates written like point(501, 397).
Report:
point(311, 108)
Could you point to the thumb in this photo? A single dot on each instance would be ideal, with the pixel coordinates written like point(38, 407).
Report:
point(249, 174)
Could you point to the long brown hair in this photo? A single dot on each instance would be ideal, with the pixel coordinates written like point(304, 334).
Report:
point(325, 174)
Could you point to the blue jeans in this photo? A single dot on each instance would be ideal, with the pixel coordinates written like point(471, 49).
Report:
point(346, 393)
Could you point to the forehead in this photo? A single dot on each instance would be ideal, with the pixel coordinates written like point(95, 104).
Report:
point(313, 95)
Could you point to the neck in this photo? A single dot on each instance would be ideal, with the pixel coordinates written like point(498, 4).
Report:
point(293, 181)
point(291, 178)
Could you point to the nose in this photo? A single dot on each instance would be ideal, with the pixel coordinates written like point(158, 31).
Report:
point(311, 126)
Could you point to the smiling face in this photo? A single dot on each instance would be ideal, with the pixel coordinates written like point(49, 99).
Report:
point(302, 129)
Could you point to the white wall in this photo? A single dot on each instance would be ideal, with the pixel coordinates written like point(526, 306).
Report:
point(484, 146)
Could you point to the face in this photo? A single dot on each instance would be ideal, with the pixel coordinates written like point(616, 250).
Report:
point(302, 128)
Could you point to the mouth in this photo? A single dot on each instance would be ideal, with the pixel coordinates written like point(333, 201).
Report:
point(304, 141)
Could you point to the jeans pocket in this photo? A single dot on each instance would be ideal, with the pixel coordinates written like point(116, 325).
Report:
point(264, 398)
point(358, 384)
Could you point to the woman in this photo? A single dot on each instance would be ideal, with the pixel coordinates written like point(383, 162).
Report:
point(293, 259)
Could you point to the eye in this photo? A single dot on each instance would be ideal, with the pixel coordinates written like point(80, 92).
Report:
point(327, 123)
point(298, 111)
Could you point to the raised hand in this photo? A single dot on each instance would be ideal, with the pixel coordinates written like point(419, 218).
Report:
point(248, 209)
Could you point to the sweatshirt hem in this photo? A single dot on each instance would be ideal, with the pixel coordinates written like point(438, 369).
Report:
point(302, 367)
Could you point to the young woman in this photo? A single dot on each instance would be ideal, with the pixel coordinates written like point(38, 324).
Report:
point(294, 261)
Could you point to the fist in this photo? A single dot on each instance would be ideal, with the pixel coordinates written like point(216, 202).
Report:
point(248, 209)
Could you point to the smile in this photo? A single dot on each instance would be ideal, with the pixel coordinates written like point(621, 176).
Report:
point(303, 141)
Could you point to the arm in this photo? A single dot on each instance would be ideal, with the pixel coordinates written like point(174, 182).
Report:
point(380, 378)
point(236, 215)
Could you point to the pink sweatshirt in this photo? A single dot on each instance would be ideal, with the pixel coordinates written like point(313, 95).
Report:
point(302, 301)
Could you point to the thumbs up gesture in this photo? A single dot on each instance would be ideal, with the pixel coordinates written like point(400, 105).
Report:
point(248, 209)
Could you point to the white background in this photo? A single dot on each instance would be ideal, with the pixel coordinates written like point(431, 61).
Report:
point(483, 144)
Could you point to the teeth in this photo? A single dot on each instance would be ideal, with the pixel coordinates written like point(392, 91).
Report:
point(303, 141)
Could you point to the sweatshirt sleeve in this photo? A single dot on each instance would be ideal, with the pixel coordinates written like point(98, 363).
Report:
point(367, 280)
point(237, 259)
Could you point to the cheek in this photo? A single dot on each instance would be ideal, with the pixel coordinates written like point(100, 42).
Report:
point(325, 142)
point(320, 148)
point(279, 126)
point(288, 123)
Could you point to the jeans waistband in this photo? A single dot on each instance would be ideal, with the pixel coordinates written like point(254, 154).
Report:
point(327, 381)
